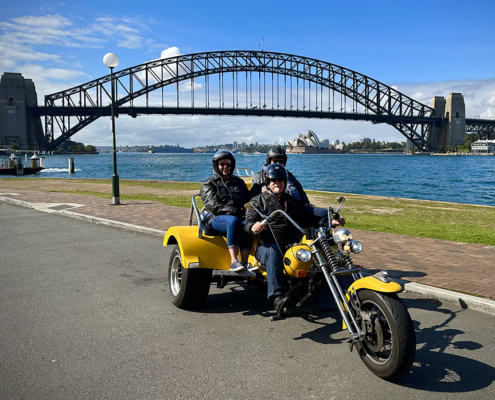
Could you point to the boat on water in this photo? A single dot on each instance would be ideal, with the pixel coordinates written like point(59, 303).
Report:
point(13, 166)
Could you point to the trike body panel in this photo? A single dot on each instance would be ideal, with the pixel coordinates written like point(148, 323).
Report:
point(209, 252)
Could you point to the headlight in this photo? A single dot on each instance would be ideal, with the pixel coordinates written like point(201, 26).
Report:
point(356, 247)
point(341, 236)
point(303, 255)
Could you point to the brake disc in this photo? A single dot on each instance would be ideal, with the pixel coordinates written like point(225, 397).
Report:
point(374, 334)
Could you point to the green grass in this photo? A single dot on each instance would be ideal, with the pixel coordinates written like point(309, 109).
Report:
point(169, 200)
point(167, 185)
point(428, 219)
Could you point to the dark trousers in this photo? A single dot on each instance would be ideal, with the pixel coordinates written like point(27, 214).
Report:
point(269, 255)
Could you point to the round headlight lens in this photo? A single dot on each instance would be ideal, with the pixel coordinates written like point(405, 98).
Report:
point(303, 255)
point(357, 247)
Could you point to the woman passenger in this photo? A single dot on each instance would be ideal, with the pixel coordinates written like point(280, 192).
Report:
point(224, 196)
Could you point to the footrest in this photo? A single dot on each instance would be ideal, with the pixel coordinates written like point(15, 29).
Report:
point(221, 272)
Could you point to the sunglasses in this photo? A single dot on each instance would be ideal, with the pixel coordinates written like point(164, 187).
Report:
point(276, 180)
point(224, 164)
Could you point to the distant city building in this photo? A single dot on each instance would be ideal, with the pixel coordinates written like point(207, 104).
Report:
point(483, 147)
point(365, 140)
point(335, 142)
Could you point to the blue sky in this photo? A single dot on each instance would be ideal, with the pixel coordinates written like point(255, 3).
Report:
point(424, 48)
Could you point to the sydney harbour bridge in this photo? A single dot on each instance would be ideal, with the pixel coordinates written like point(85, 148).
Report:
point(241, 83)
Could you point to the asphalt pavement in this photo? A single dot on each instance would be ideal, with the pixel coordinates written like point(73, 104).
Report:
point(85, 314)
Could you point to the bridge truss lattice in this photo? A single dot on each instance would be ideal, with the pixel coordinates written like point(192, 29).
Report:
point(252, 83)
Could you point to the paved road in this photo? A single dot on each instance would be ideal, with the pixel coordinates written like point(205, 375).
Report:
point(84, 314)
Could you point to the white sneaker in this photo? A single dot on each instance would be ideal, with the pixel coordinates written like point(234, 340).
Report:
point(251, 268)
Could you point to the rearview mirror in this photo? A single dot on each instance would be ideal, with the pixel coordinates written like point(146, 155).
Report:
point(341, 199)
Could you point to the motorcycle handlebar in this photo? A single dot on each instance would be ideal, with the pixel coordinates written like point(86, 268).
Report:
point(286, 216)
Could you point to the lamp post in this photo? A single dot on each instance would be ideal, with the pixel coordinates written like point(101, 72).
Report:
point(111, 61)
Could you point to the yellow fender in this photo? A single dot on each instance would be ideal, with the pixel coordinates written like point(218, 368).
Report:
point(372, 283)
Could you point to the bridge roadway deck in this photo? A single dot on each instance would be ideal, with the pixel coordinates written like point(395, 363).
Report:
point(462, 267)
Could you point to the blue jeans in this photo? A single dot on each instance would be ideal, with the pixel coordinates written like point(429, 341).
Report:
point(233, 229)
point(269, 255)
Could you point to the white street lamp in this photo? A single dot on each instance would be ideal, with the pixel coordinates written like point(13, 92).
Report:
point(111, 61)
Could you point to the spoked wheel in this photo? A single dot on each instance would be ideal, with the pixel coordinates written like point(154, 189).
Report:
point(389, 347)
point(188, 288)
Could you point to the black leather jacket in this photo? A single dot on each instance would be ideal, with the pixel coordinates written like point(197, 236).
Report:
point(259, 179)
point(224, 198)
point(284, 231)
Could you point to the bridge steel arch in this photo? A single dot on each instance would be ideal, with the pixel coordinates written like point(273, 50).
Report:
point(376, 101)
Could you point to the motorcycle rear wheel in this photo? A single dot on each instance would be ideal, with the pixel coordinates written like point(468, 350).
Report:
point(390, 344)
point(188, 288)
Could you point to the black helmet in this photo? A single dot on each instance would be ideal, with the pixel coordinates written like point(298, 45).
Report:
point(275, 171)
point(223, 155)
point(276, 152)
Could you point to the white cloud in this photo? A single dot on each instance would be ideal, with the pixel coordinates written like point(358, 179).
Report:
point(170, 52)
point(478, 94)
point(186, 86)
point(420, 96)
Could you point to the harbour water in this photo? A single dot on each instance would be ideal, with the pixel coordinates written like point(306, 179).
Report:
point(454, 179)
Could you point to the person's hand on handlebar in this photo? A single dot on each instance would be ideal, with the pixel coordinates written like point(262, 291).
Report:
point(258, 227)
point(336, 223)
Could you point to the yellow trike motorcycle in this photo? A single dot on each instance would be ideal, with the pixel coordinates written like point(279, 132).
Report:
point(378, 323)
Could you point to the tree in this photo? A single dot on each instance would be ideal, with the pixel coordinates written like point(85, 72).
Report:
point(468, 140)
point(15, 146)
point(90, 148)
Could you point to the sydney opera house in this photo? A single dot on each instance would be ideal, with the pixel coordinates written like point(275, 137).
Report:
point(310, 144)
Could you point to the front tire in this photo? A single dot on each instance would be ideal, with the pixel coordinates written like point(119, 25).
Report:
point(188, 288)
point(389, 347)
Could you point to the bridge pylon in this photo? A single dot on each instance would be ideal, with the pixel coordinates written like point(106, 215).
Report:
point(17, 124)
point(450, 131)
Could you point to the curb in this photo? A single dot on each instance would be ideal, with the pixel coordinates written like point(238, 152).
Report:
point(464, 300)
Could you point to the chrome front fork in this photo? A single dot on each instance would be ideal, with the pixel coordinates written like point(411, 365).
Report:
point(356, 333)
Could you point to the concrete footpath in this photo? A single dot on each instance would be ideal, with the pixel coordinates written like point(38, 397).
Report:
point(463, 273)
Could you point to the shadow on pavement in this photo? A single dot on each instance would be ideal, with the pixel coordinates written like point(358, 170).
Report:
point(397, 273)
point(437, 371)
point(434, 369)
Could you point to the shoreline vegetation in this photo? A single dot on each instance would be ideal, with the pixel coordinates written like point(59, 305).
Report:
point(457, 222)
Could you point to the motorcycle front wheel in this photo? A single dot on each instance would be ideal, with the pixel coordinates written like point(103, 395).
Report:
point(389, 347)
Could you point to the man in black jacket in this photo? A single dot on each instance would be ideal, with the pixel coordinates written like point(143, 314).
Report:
point(277, 155)
point(272, 241)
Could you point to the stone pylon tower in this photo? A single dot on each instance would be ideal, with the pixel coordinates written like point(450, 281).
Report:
point(452, 130)
point(17, 125)
point(455, 113)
